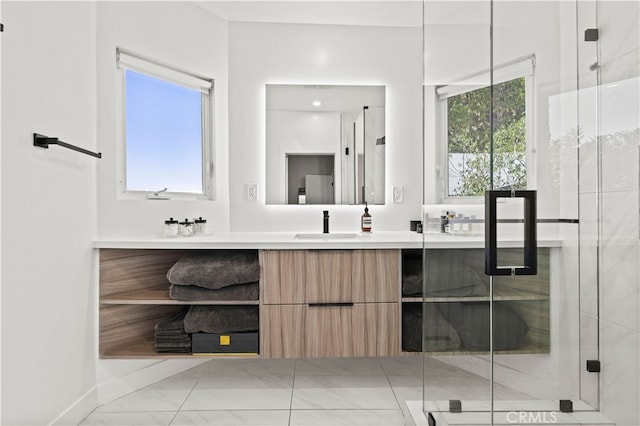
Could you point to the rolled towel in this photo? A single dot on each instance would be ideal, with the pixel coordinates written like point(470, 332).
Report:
point(242, 292)
point(172, 322)
point(216, 269)
point(221, 319)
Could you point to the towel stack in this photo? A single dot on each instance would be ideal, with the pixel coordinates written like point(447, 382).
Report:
point(210, 276)
point(170, 336)
point(215, 276)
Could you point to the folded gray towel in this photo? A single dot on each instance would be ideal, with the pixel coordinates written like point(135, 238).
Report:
point(438, 336)
point(170, 333)
point(221, 319)
point(472, 322)
point(174, 349)
point(242, 292)
point(444, 281)
point(182, 339)
point(171, 347)
point(216, 269)
point(172, 322)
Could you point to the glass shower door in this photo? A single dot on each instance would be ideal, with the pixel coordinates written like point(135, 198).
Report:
point(455, 305)
point(503, 328)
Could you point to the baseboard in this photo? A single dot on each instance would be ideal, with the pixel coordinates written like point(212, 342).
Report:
point(78, 410)
point(138, 379)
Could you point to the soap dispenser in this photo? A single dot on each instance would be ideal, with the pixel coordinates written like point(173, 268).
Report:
point(365, 220)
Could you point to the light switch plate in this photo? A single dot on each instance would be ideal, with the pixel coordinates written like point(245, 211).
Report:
point(252, 191)
point(398, 195)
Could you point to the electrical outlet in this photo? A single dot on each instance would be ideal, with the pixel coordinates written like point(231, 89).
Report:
point(398, 195)
point(252, 191)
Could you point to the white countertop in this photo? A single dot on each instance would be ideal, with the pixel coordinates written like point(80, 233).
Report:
point(288, 240)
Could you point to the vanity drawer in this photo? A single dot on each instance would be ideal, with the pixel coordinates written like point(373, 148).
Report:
point(351, 330)
point(328, 276)
point(330, 330)
point(283, 276)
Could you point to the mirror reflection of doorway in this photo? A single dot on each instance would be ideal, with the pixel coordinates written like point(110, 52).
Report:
point(310, 179)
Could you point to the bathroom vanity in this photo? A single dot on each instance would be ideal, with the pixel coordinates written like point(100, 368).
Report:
point(328, 297)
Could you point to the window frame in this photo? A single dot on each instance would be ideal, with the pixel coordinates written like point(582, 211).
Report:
point(518, 68)
point(126, 60)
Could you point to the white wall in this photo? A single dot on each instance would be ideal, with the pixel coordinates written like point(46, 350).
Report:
point(48, 212)
point(0, 219)
point(187, 36)
point(181, 34)
point(261, 54)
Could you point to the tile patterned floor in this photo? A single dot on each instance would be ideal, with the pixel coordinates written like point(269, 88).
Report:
point(354, 391)
point(348, 391)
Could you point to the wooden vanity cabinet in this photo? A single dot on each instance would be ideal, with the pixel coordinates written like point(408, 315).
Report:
point(330, 303)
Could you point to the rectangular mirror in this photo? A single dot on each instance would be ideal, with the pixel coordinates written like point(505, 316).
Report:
point(325, 144)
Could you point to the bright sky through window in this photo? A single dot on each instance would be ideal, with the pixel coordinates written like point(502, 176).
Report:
point(163, 135)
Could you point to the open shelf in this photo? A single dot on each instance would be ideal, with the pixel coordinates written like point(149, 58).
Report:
point(134, 297)
point(526, 297)
point(160, 296)
point(527, 348)
point(145, 350)
point(500, 294)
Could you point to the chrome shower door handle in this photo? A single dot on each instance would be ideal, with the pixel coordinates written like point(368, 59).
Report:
point(530, 261)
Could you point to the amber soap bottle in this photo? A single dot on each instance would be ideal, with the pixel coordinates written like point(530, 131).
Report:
point(365, 220)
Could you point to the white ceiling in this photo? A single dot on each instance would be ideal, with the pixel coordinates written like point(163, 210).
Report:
point(400, 13)
point(286, 97)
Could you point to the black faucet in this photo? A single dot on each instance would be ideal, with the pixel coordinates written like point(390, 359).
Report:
point(325, 222)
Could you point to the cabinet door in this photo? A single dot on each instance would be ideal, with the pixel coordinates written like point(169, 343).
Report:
point(376, 275)
point(328, 276)
point(329, 331)
point(282, 331)
point(375, 329)
point(358, 330)
point(387, 329)
point(283, 276)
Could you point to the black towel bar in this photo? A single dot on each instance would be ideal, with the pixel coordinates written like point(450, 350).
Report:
point(44, 141)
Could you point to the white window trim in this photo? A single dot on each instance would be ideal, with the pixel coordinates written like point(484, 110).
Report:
point(126, 60)
point(520, 67)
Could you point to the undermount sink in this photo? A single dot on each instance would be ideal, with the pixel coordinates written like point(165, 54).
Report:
point(329, 236)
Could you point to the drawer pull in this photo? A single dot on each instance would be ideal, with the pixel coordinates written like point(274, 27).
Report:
point(319, 305)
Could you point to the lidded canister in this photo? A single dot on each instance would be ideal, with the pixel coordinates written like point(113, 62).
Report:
point(186, 228)
point(171, 228)
point(199, 226)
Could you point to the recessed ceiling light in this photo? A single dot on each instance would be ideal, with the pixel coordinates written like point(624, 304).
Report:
point(317, 103)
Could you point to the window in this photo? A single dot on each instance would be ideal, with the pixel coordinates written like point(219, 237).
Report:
point(468, 135)
point(167, 129)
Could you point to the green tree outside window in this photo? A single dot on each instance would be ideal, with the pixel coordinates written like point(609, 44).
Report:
point(469, 132)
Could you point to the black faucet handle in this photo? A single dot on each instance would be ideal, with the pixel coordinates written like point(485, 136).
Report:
point(325, 221)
